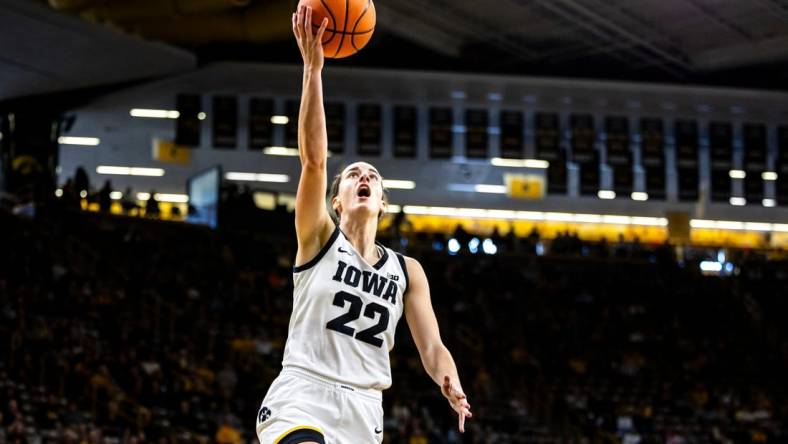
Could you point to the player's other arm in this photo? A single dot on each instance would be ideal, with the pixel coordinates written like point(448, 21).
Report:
point(435, 356)
point(313, 225)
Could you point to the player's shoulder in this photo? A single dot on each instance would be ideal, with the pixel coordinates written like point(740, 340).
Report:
point(412, 266)
point(412, 262)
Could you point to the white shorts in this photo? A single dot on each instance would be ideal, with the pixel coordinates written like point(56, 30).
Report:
point(301, 406)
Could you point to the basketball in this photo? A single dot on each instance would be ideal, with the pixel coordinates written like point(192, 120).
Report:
point(350, 24)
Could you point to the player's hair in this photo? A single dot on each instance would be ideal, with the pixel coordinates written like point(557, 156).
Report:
point(334, 191)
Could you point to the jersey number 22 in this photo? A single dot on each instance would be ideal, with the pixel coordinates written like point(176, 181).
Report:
point(369, 335)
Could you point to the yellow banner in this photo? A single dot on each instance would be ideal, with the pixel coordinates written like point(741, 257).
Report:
point(525, 186)
point(168, 151)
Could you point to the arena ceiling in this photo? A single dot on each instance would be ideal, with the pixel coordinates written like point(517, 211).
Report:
point(713, 42)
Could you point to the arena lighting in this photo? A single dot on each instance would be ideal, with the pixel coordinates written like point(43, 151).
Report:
point(734, 225)
point(738, 201)
point(280, 151)
point(479, 188)
point(737, 174)
point(454, 246)
point(769, 203)
point(257, 177)
point(639, 195)
point(155, 113)
point(606, 194)
point(82, 141)
point(116, 195)
point(488, 246)
point(83, 194)
point(284, 151)
point(202, 115)
point(490, 189)
point(395, 184)
point(535, 216)
point(164, 197)
point(129, 171)
point(280, 120)
point(711, 266)
point(519, 163)
point(473, 245)
point(769, 175)
point(392, 209)
point(59, 192)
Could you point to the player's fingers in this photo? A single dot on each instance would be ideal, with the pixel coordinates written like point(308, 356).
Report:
point(308, 25)
point(300, 21)
point(296, 28)
point(295, 24)
point(322, 30)
point(462, 423)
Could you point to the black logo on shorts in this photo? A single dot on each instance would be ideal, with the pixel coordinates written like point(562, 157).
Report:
point(342, 250)
point(378, 431)
point(264, 414)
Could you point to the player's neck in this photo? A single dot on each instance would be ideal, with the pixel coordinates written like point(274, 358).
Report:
point(361, 233)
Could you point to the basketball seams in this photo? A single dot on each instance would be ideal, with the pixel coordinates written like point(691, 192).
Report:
point(353, 33)
point(366, 31)
point(333, 22)
point(344, 28)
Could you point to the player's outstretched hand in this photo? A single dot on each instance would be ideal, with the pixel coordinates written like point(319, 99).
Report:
point(459, 402)
point(309, 43)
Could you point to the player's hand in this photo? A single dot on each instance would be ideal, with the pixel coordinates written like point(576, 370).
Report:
point(309, 43)
point(459, 402)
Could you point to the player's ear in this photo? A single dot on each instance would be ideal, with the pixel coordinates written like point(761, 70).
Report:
point(335, 205)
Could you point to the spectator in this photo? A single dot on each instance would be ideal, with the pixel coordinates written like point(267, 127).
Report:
point(104, 197)
point(152, 205)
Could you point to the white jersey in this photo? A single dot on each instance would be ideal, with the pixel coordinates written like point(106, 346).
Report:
point(345, 314)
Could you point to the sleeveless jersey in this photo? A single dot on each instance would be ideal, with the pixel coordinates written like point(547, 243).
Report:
point(345, 314)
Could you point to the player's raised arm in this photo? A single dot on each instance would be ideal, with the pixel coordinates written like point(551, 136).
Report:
point(313, 225)
point(435, 356)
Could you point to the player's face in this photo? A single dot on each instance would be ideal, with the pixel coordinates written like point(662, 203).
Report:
point(360, 192)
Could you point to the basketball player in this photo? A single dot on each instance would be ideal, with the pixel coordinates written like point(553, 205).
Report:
point(349, 294)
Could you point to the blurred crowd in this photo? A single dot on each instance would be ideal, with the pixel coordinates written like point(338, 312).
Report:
point(129, 330)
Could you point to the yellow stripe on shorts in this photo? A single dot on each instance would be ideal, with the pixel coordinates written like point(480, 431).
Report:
point(295, 429)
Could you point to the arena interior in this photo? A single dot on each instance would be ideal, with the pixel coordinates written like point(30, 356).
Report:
point(597, 190)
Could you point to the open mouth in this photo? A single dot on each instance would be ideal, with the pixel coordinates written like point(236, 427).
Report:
point(363, 191)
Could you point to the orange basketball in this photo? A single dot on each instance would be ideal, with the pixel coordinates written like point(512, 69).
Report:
point(350, 24)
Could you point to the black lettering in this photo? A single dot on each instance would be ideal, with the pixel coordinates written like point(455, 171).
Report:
point(353, 276)
point(338, 275)
point(372, 284)
point(391, 293)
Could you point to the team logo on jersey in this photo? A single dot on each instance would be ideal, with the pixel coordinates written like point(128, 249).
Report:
point(367, 281)
point(342, 250)
point(264, 414)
